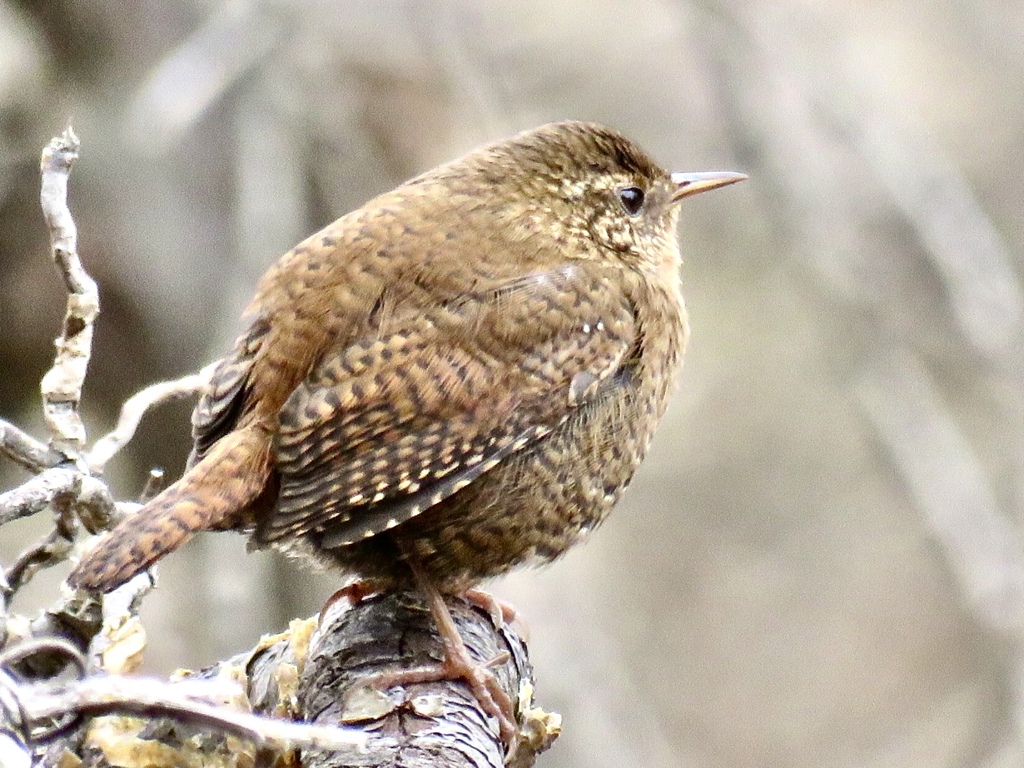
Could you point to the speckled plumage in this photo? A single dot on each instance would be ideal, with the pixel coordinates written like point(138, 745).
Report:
point(468, 368)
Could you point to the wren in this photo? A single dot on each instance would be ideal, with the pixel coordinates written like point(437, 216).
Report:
point(457, 378)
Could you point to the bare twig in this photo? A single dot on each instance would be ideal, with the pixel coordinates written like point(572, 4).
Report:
point(52, 549)
point(62, 487)
point(137, 406)
point(96, 507)
point(73, 497)
point(38, 493)
point(25, 450)
point(819, 113)
point(62, 385)
point(197, 702)
point(154, 484)
point(92, 498)
point(57, 488)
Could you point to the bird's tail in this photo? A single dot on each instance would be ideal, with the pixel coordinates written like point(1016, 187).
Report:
point(213, 494)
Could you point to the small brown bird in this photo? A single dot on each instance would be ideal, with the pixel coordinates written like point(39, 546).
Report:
point(459, 377)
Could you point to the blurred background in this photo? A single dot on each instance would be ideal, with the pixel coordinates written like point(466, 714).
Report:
point(820, 563)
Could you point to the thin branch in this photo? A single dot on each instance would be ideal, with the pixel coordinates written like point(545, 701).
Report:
point(62, 385)
point(137, 406)
point(57, 488)
point(23, 449)
point(197, 702)
point(96, 507)
point(73, 497)
point(52, 549)
point(92, 499)
point(155, 481)
point(38, 494)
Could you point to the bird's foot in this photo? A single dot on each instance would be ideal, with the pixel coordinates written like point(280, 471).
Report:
point(488, 692)
point(501, 612)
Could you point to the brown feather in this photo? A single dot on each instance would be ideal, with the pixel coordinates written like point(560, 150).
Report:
point(210, 495)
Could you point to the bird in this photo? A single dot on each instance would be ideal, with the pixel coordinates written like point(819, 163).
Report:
point(455, 379)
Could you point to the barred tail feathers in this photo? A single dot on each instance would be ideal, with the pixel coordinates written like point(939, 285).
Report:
point(210, 495)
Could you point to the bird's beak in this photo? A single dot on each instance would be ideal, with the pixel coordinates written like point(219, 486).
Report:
point(694, 183)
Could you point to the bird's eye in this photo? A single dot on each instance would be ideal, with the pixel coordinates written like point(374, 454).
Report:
point(632, 199)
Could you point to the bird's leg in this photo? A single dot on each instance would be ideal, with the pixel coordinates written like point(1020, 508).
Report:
point(456, 665)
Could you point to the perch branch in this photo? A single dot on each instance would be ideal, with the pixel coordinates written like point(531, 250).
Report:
point(433, 724)
point(312, 674)
point(92, 498)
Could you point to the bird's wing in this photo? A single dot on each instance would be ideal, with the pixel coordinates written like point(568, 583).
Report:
point(387, 426)
point(223, 400)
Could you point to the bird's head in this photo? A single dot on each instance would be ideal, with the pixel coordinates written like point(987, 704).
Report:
point(591, 189)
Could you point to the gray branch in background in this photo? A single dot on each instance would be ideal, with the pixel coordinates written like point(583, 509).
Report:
point(823, 114)
point(948, 483)
point(860, 160)
point(934, 459)
point(964, 245)
point(232, 41)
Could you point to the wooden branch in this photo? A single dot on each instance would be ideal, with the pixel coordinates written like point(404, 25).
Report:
point(313, 674)
point(62, 484)
point(25, 450)
point(38, 493)
point(73, 497)
point(210, 705)
point(430, 724)
point(92, 498)
point(62, 384)
point(437, 724)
